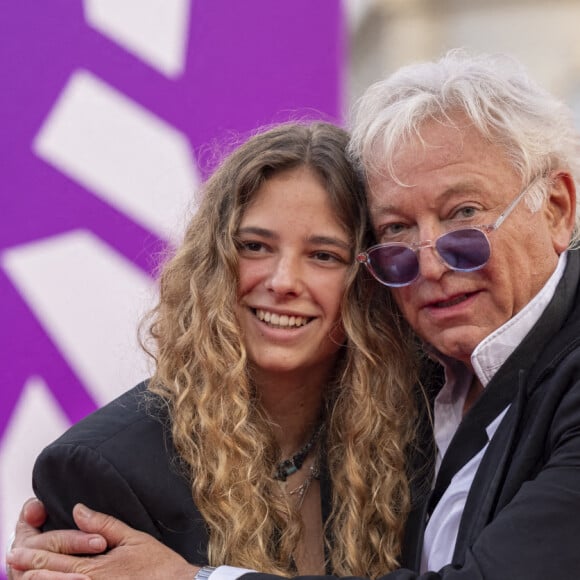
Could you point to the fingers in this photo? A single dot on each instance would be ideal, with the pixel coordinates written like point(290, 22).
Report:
point(113, 530)
point(27, 535)
point(49, 575)
point(33, 513)
point(43, 565)
point(63, 542)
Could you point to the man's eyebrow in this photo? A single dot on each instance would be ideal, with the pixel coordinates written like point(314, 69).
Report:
point(466, 187)
point(463, 187)
point(382, 208)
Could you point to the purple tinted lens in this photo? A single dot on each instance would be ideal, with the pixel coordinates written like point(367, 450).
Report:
point(464, 249)
point(394, 265)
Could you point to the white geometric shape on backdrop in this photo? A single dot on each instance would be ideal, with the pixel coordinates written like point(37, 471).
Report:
point(155, 31)
point(89, 300)
point(122, 153)
point(21, 445)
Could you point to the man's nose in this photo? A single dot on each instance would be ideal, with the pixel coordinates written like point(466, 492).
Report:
point(431, 266)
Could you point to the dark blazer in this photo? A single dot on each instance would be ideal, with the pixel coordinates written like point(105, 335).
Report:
point(121, 460)
point(522, 516)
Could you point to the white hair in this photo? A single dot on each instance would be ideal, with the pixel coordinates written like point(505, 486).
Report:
point(497, 95)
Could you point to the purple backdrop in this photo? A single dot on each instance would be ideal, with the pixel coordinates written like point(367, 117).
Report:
point(248, 64)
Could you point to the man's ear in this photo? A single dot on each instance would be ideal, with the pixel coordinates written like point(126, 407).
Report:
point(561, 209)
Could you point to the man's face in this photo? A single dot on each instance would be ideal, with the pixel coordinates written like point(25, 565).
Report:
point(455, 178)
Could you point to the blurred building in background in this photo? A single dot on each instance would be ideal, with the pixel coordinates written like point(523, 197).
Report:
point(543, 34)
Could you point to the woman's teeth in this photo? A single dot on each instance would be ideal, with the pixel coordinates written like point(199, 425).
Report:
point(281, 320)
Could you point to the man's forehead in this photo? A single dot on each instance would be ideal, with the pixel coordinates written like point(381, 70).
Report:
point(436, 142)
point(419, 154)
point(445, 163)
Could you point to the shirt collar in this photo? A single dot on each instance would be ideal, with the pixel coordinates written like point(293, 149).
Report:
point(490, 354)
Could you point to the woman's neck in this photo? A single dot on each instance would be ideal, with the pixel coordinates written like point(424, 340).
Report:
point(295, 405)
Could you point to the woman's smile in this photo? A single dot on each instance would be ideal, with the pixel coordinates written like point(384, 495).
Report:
point(281, 320)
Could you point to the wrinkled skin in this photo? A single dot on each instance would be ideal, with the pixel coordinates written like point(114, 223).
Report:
point(47, 556)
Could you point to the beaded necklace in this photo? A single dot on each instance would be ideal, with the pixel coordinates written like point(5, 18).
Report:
point(289, 466)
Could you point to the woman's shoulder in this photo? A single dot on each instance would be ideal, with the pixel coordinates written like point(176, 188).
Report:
point(137, 415)
point(121, 460)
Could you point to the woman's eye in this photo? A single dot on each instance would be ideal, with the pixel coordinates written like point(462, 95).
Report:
point(329, 257)
point(251, 246)
point(325, 256)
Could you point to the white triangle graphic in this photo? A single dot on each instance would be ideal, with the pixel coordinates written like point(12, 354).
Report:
point(154, 30)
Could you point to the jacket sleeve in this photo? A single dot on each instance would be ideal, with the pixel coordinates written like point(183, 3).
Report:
point(65, 474)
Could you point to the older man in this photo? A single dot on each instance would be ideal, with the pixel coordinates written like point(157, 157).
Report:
point(471, 173)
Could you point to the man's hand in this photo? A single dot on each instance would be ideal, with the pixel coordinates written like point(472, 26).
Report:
point(28, 536)
point(132, 555)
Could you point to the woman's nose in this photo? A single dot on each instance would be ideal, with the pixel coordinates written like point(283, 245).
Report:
point(285, 277)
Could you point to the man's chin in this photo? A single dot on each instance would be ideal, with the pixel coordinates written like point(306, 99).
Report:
point(456, 343)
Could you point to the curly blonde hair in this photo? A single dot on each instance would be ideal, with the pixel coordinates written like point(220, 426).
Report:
point(219, 429)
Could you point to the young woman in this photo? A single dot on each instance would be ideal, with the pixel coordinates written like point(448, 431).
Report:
point(273, 432)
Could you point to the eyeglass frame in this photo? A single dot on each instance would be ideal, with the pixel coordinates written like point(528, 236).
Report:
point(363, 257)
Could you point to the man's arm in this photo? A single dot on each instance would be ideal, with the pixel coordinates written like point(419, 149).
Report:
point(131, 554)
point(28, 535)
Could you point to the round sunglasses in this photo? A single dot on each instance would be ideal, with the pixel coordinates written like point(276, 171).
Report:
point(396, 264)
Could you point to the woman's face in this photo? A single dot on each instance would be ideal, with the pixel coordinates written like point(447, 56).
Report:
point(294, 257)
